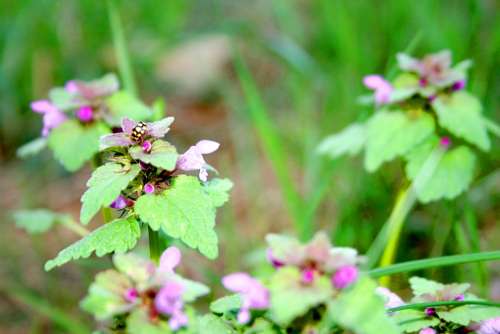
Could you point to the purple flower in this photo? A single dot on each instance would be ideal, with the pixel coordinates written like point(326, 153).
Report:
point(192, 159)
point(445, 142)
point(489, 326)
point(427, 330)
point(121, 202)
point(308, 275)
point(95, 89)
point(253, 294)
point(52, 116)
point(459, 85)
point(459, 298)
point(146, 146)
point(382, 88)
point(391, 299)
point(125, 138)
point(274, 261)
point(149, 188)
point(169, 301)
point(131, 295)
point(170, 259)
point(344, 277)
point(430, 311)
point(85, 114)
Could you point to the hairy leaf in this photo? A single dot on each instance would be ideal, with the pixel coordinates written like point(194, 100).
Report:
point(460, 113)
point(421, 286)
point(411, 321)
point(117, 236)
point(218, 191)
point(38, 220)
point(162, 155)
point(73, 143)
point(349, 141)
point(391, 134)
point(212, 324)
point(104, 186)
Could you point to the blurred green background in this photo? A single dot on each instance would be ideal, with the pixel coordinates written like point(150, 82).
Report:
point(306, 60)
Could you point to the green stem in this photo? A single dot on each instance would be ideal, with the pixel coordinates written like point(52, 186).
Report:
point(155, 245)
point(422, 306)
point(120, 45)
point(434, 262)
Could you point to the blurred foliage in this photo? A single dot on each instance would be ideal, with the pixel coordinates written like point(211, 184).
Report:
point(307, 59)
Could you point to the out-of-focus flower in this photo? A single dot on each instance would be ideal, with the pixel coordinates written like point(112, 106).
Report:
point(276, 263)
point(131, 295)
point(169, 301)
point(308, 275)
point(193, 159)
point(344, 277)
point(427, 330)
point(391, 299)
point(459, 85)
point(434, 69)
point(149, 188)
point(430, 311)
point(170, 259)
point(445, 142)
point(131, 128)
point(52, 116)
point(253, 294)
point(95, 89)
point(85, 114)
point(121, 202)
point(382, 88)
point(489, 326)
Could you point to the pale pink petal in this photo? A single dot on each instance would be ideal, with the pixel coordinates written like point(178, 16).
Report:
point(170, 258)
point(203, 175)
point(160, 128)
point(237, 282)
point(128, 125)
point(43, 107)
point(190, 160)
point(391, 299)
point(373, 81)
point(71, 86)
point(207, 146)
point(114, 139)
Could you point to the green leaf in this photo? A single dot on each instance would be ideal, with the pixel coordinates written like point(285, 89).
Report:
point(421, 286)
point(212, 324)
point(158, 109)
point(412, 320)
point(64, 100)
point(460, 113)
point(361, 310)
point(192, 290)
point(391, 134)
point(31, 148)
point(122, 104)
point(138, 323)
point(183, 211)
point(104, 186)
point(38, 220)
point(162, 155)
point(349, 141)
point(463, 315)
point(117, 236)
point(226, 304)
point(73, 143)
point(291, 299)
point(218, 191)
point(452, 175)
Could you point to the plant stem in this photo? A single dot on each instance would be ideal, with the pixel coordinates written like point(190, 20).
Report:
point(155, 245)
point(73, 226)
point(120, 45)
point(421, 306)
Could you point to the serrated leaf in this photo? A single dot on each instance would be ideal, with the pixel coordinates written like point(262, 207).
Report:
point(162, 155)
point(421, 286)
point(122, 104)
point(452, 175)
point(349, 141)
point(183, 211)
point(117, 236)
point(212, 324)
point(74, 144)
point(291, 299)
point(460, 113)
point(218, 191)
point(38, 220)
point(465, 314)
point(391, 134)
point(412, 320)
point(31, 148)
point(226, 304)
point(361, 310)
point(104, 186)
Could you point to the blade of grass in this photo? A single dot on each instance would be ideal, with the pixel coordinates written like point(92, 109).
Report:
point(422, 306)
point(433, 263)
point(272, 145)
point(57, 315)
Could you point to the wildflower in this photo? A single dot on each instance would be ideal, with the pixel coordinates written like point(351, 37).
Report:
point(170, 259)
point(52, 116)
point(391, 299)
point(121, 202)
point(253, 294)
point(382, 88)
point(344, 277)
point(169, 301)
point(445, 142)
point(149, 188)
point(427, 330)
point(93, 90)
point(430, 311)
point(131, 295)
point(127, 138)
point(192, 159)
point(459, 85)
point(489, 326)
point(275, 262)
point(85, 114)
point(433, 69)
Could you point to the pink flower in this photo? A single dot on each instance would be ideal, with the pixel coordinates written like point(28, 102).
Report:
point(382, 88)
point(489, 326)
point(149, 188)
point(121, 202)
point(169, 301)
point(131, 295)
point(253, 294)
point(170, 259)
point(85, 114)
point(344, 277)
point(459, 85)
point(427, 330)
point(391, 299)
point(308, 275)
point(192, 159)
point(52, 117)
point(146, 146)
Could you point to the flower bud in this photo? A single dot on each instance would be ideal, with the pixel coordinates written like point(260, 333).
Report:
point(344, 277)
point(149, 188)
point(85, 114)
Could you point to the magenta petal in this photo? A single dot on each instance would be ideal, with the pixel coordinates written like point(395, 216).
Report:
point(71, 86)
point(114, 139)
point(373, 81)
point(128, 125)
point(170, 258)
point(85, 114)
point(344, 277)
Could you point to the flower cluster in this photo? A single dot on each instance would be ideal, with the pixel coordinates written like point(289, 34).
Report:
point(137, 286)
